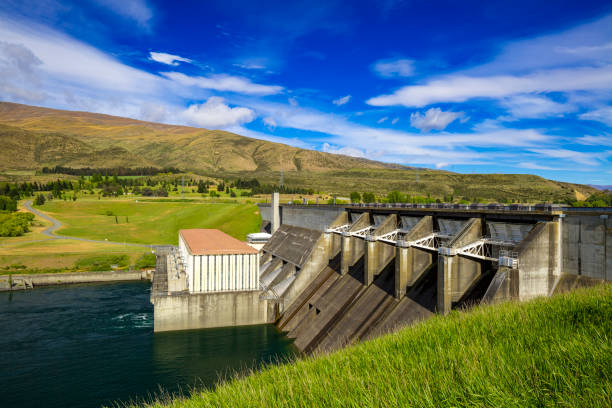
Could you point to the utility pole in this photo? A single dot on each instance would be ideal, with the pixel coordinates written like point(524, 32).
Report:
point(183, 187)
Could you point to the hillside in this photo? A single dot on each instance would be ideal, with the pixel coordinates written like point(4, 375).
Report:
point(94, 139)
point(548, 352)
point(33, 137)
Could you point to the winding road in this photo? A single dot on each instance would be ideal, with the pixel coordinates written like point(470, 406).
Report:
point(56, 224)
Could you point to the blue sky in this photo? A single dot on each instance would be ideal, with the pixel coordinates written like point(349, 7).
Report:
point(471, 86)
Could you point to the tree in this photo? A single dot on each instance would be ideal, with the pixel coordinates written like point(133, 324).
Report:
point(7, 204)
point(232, 193)
point(395, 197)
point(369, 198)
point(202, 189)
point(40, 199)
point(355, 197)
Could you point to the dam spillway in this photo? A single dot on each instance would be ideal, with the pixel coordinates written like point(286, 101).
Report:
point(367, 270)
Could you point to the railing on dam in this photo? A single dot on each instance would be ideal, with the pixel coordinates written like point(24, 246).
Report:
point(448, 206)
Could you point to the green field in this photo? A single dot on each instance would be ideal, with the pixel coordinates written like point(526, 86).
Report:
point(150, 221)
point(548, 352)
point(143, 221)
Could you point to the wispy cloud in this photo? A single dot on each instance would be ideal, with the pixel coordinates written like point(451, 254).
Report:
point(136, 10)
point(460, 88)
point(433, 118)
point(224, 82)
point(342, 101)
point(603, 115)
point(535, 106)
point(168, 59)
point(394, 67)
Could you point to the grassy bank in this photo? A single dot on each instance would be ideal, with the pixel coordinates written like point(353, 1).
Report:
point(548, 352)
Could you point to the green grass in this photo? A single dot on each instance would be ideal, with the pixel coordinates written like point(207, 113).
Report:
point(547, 352)
point(150, 222)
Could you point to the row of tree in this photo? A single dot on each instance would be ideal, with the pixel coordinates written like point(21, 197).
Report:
point(110, 171)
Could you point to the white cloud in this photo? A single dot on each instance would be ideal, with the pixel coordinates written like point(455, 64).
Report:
point(293, 101)
point(603, 115)
point(346, 150)
point(460, 88)
point(69, 66)
point(167, 59)
point(394, 68)
point(214, 113)
point(394, 121)
point(137, 10)
point(342, 101)
point(534, 106)
point(223, 82)
point(382, 120)
point(434, 118)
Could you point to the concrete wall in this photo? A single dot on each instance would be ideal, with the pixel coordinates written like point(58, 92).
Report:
point(206, 310)
point(538, 260)
point(312, 217)
point(46, 279)
point(587, 245)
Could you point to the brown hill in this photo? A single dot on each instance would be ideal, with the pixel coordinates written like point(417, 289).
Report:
point(97, 140)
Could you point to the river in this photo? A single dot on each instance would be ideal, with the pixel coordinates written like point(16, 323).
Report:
point(93, 345)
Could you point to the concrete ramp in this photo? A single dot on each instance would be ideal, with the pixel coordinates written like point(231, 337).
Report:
point(363, 313)
point(323, 313)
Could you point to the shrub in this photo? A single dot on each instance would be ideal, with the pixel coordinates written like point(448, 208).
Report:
point(15, 224)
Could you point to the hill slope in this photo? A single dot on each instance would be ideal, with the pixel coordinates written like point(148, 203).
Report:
point(33, 137)
point(145, 143)
point(548, 352)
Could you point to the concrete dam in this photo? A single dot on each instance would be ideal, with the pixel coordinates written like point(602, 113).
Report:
point(333, 275)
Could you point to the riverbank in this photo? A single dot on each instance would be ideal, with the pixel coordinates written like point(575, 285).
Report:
point(31, 281)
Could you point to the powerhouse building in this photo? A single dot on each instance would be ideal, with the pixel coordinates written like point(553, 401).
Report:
point(217, 262)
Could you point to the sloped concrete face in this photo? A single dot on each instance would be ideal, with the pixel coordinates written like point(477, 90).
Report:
point(538, 260)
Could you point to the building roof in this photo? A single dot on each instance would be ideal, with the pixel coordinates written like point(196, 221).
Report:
point(213, 242)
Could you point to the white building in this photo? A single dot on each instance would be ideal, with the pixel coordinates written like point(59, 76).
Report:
point(217, 262)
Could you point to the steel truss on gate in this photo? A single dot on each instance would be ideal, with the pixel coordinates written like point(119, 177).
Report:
point(430, 242)
point(339, 230)
point(483, 249)
point(362, 233)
